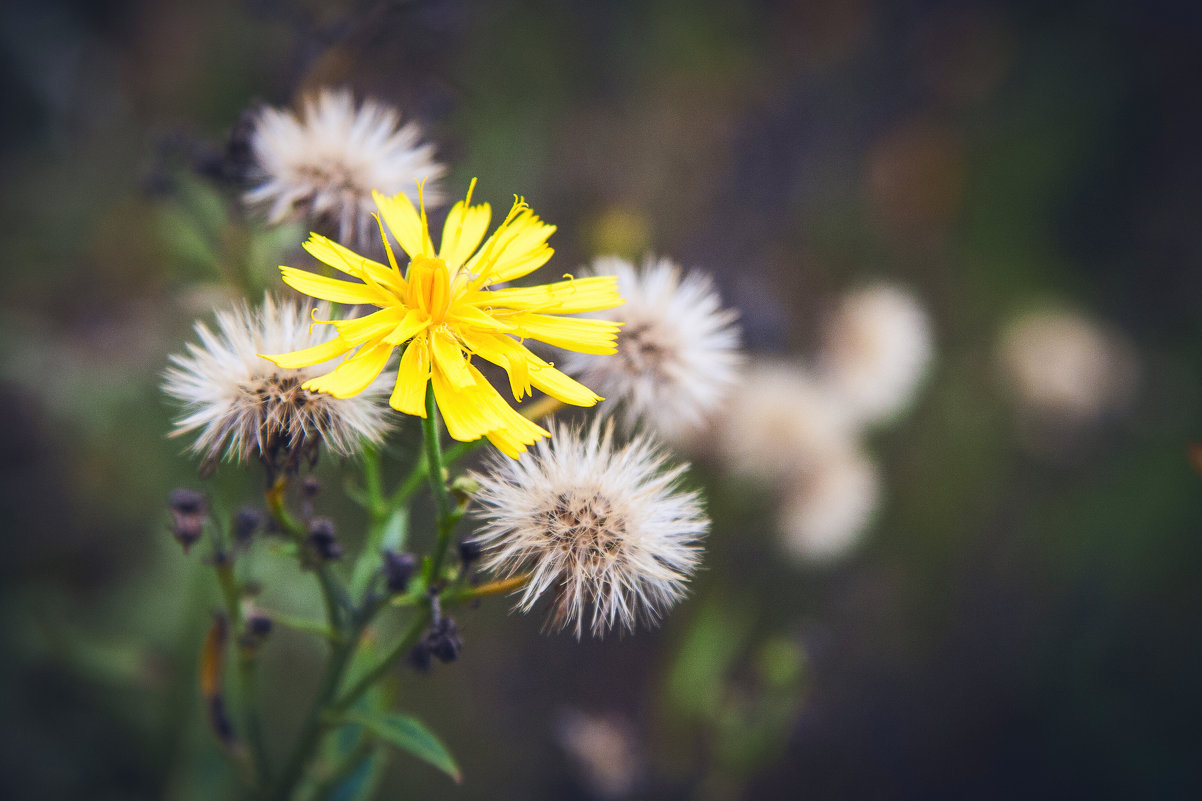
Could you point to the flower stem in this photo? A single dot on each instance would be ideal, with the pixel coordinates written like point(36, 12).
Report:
point(247, 677)
point(417, 627)
point(499, 587)
point(438, 486)
point(312, 729)
point(330, 591)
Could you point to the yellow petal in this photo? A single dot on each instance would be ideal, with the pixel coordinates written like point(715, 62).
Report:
point(409, 326)
point(449, 360)
point(507, 353)
point(338, 291)
point(465, 416)
point(327, 251)
point(464, 315)
point(559, 385)
point(409, 394)
point(308, 356)
point(463, 231)
point(570, 333)
point(353, 375)
point(516, 248)
point(405, 223)
point(562, 297)
point(376, 325)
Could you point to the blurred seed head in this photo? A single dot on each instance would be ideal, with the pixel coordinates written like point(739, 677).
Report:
point(830, 506)
point(321, 164)
point(604, 751)
point(606, 529)
point(678, 350)
point(241, 406)
point(1065, 368)
point(782, 422)
point(877, 347)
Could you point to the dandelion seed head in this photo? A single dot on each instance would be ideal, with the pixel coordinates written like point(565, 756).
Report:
point(321, 164)
point(782, 421)
point(876, 350)
point(830, 506)
point(241, 407)
point(678, 350)
point(605, 529)
point(1066, 367)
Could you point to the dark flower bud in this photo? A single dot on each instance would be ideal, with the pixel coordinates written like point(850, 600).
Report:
point(419, 657)
point(259, 625)
point(246, 523)
point(444, 641)
point(310, 488)
point(469, 552)
point(189, 512)
point(398, 569)
point(321, 539)
point(186, 501)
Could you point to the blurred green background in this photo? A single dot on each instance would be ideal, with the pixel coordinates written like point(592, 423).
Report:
point(1019, 623)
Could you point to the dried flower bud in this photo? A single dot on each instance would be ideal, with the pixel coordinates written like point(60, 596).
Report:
point(310, 488)
point(441, 641)
point(469, 551)
point(189, 512)
point(186, 501)
point(246, 523)
point(321, 539)
point(398, 569)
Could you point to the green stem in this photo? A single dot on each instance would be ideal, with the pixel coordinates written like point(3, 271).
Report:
point(438, 486)
point(350, 763)
point(246, 671)
point(416, 628)
point(331, 593)
point(313, 727)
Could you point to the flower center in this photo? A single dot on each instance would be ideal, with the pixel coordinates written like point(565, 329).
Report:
point(429, 287)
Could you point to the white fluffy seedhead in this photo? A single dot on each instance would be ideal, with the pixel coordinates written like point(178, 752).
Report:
point(678, 350)
point(876, 350)
point(829, 508)
point(605, 529)
point(243, 407)
point(322, 163)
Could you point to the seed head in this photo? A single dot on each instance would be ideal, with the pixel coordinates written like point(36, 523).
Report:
point(243, 407)
point(605, 529)
point(678, 350)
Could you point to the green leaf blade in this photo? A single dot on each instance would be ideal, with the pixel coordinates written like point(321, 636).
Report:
point(409, 735)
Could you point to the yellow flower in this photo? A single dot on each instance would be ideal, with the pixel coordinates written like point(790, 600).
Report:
point(444, 310)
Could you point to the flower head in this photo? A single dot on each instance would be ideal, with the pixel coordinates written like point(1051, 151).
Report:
point(244, 407)
point(876, 351)
point(323, 163)
point(830, 506)
point(605, 528)
point(783, 422)
point(678, 352)
point(444, 309)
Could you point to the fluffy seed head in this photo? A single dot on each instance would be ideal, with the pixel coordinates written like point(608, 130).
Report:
point(322, 163)
point(242, 406)
point(678, 350)
point(830, 506)
point(605, 528)
point(782, 422)
point(1066, 367)
point(877, 347)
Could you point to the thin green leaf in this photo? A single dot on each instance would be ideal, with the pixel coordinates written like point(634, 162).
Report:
point(408, 734)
